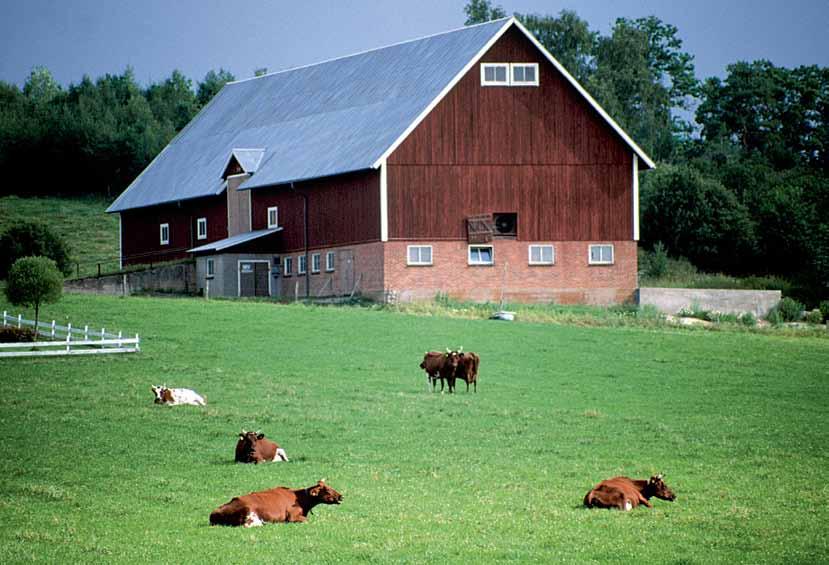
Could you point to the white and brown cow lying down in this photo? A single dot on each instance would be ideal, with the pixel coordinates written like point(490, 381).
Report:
point(252, 447)
point(174, 396)
point(626, 494)
point(279, 504)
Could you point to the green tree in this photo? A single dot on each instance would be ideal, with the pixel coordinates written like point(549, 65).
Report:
point(643, 78)
point(30, 238)
point(173, 101)
point(41, 87)
point(480, 11)
point(696, 217)
point(211, 85)
point(34, 281)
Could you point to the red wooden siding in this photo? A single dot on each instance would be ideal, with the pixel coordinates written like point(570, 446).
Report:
point(342, 210)
point(542, 152)
point(140, 229)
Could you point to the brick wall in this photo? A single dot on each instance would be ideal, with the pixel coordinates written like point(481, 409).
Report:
point(360, 265)
point(570, 280)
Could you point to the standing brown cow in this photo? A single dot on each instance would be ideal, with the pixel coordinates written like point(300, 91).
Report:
point(252, 447)
point(467, 370)
point(279, 504)
point(625, 493)
point(439, 366)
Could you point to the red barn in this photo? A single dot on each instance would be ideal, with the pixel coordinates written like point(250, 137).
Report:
point(469, 163)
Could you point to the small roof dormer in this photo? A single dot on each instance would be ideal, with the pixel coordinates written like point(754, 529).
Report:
point(243, 161)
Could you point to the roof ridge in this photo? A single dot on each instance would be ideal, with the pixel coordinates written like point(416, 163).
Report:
point(455, 30)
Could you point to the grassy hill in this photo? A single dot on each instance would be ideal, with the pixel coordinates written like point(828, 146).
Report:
point(89, 230)
point(92, 470)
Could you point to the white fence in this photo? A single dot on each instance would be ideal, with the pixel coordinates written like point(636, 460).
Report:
point(65, 340)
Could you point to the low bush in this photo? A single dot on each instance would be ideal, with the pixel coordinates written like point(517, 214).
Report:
point(29, 239)
point(824, 309)
point(748, 319)
point(813, 317)
point(16, 335)
point(790, 310)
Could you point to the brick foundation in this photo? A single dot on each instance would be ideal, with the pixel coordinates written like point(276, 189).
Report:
point(571, 280)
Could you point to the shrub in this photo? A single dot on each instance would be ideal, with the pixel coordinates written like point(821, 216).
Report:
point(774, 317)
point(790, 309)
point(658, 262)
point(748, 319)
point(824, 309)
point(813, 317)
point(33, 281)
point(29, 239)
point(16, 335)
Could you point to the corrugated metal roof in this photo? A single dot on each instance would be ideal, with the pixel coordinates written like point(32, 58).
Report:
point(233, 240)
point(314, 121)
point(248, 159)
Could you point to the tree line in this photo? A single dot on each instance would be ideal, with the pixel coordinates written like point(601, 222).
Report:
point(93, 137)
point(742, 182)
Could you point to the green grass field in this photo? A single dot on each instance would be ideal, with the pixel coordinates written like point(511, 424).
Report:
point(92, 471)
point(92, 234)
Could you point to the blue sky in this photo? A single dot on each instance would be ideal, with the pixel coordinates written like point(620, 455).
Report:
point(156, 36)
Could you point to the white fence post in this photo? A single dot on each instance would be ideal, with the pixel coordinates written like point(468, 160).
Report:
point(86, 333)
point(53, 330)
point(19, 320)
point(137, 344)
point(62, 344)
point(4, 318)
point(68, 335)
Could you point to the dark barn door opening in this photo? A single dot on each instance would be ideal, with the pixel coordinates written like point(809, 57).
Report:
point(253, 278)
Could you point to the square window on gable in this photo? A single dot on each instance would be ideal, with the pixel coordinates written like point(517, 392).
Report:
point(201, 228)
point(524, 74)
point(165, 234)
point(494, 74)
point(273, 217)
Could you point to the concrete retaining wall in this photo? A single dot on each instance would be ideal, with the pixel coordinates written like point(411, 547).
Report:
point(671, 300)
point(179, 277)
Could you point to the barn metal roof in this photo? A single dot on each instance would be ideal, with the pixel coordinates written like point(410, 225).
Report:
point(248, 159)
point(233, 240)
point(338, 116)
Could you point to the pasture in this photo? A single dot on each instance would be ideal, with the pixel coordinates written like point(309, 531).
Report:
point(91, 470)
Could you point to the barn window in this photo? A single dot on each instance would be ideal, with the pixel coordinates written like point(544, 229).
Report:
point(301, 265)
point(494, 74)
point(201, 228)
point(524, 74)
point(165, 234)
point(542, 255)
point(211, 268)
point(273, 217)
point(288, 266)
point(481, 255)
point(601, 255)
point(315, 263)
point(419, 255)
point(329, 261)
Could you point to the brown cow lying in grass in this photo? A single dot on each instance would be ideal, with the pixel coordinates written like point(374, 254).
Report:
point(626, 494)
point(279, 504)
point(252, 447)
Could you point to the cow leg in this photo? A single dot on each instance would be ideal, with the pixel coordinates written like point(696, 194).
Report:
point(643, 500)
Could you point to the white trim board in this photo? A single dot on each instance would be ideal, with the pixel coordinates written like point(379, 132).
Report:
point(384, 202)
point(635, 198)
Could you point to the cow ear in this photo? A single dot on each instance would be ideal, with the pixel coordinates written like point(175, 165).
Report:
point(260, 436)
point(314, 490)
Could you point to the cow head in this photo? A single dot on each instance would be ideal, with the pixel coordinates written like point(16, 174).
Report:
point(247, 440)
point(324, 493)
point(656, 487)
point(452, 358)
point(162, 394)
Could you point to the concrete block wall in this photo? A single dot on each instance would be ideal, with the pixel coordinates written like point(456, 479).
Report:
point(671, 300)
point(570, 280)
point(180, 277)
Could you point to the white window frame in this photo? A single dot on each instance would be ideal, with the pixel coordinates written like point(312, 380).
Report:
point(275, 223)
point(210, 268)
point(469, 260)
point(315, 263)
point(541, 246)
point(512, 80)
point(164, 234)
point(201, 228)
point(287, 266)
point(419, 262)
point(301, 266)
point(485, 82)
point(329, 261)
point(590, 260)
